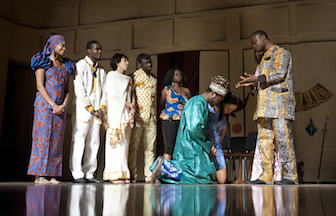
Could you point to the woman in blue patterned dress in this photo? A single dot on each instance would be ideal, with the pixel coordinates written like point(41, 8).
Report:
point(173, 97)
point(219, 118)
point(52, 73)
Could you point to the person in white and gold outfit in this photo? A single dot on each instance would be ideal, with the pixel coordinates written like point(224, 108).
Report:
point(119, 120)
point(89, 88)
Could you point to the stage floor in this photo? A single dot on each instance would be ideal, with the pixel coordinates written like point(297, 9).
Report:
point(18, 198)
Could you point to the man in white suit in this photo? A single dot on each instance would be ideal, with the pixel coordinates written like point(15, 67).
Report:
point(89, 88)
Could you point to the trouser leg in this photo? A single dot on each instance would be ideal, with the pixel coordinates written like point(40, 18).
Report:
point(79, 132)
point(284, 140)
point(133, 148)
point(91, 150)
point(266, 146)
point(149, 148)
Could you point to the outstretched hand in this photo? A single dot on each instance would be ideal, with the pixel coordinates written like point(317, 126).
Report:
point(246, 80)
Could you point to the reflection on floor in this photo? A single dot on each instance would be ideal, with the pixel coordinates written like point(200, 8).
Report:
point(145, 199)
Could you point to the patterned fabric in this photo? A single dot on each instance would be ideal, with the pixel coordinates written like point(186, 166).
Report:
point(55, 81)
point(257, 166)
point(145, 91)
point(275, 96)
point(173, 105)
point(47, 144)
point(213, 132)
point(275, 112)
point(169, 170)
point(192, 148)
point(312, 98)
point(48, 128)
point(276, 133)
point(42, 59)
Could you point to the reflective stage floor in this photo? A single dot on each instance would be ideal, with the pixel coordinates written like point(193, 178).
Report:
point(145, 199)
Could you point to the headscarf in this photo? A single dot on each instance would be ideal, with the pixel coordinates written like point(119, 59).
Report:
point(52, 42)
point(42, 59)
point(219, 85)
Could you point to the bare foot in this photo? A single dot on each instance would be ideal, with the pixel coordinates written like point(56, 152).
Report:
point(54, 181)
point(41, 180)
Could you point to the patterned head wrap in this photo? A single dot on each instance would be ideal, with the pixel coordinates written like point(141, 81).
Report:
point(42, 59)
point(52, 42)
point(219, 85)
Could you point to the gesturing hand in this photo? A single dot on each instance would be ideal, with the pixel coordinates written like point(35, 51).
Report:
point(246, 80)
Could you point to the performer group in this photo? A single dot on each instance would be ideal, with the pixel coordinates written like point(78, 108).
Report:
point(192, 127)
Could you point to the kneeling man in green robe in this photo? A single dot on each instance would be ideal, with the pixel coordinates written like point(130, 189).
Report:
point(191, 163)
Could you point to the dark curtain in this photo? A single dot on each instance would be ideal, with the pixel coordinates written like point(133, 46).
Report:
point(17, 122)
point(189, 63)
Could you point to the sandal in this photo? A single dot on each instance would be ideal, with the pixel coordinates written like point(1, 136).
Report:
point(41, 180)
point(54, 181)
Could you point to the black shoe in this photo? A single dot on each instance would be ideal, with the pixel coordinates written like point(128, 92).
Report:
point(80, 180)
point(258, 181)
point(285, 182)
point(157, 169)
point(93, 180)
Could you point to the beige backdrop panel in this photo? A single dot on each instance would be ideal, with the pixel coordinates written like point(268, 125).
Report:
point(200, 29)
point(272, 20)
point(153, 34)
point(317, 65)
point(186, 6)
point(106, 10)
point(316, 18)
point(109, 38)
point(212, 63)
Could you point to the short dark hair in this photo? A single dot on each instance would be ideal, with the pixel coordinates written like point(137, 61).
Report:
point(115, 59)
point(259, 32)
point(142, 56)
point(168, 79)
point(90, 43)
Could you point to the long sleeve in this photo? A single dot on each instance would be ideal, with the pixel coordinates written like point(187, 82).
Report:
point(278, 72)
point(103, 101)
point(79, 86)
point(197, 114)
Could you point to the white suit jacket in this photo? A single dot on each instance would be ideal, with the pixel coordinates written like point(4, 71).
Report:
point(84, 91)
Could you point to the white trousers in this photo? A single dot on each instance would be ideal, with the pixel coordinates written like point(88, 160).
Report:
point(85, 143)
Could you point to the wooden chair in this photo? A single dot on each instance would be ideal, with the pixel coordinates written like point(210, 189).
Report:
point(241, 148)
point(249, 154)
